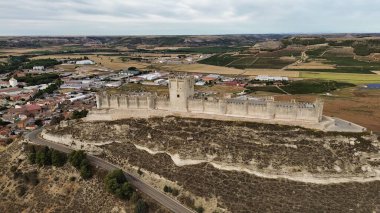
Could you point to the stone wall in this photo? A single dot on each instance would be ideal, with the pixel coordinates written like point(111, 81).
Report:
point(263, 109)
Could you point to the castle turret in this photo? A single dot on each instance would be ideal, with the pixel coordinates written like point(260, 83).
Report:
point(319, 107)
point(98, 102)
point(180, 89)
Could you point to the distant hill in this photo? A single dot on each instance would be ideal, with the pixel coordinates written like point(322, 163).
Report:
point(135, 41)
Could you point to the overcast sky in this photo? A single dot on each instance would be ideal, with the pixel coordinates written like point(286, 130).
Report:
point(164, 17)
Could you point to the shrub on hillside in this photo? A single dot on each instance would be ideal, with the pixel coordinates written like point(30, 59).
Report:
point(79, 114)
point(86, 169)
point(76, 158)
point(141, 207)
point(58, 158)
point(117, 184)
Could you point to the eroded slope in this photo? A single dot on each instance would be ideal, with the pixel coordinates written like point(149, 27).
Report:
point(266, 148)
point(269, 148)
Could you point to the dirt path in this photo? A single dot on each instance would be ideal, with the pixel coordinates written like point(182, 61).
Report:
point(282, 90)
point(296, 62)
point(254, 61)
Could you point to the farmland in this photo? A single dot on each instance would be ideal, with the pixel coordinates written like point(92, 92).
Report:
point(304, 87)
point(244, 61)
point(355, 104)
point(348, 65)
point(344, 77)
point(111, 62)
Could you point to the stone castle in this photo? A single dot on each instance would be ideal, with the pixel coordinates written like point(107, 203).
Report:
point(181, 100)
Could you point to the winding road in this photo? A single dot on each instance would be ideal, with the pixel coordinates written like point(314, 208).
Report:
point(155, 194)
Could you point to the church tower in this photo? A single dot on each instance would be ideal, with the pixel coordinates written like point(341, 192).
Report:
point(180, 89)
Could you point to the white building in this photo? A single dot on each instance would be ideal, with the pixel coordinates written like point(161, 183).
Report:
point(13, 82)
point(79, 97)
point(153, 76)
point(38, 68)
point(77, 86)
point(85, 62)
point(271, 78)
point(200, 83)
point(114, 84)
point(161, 81)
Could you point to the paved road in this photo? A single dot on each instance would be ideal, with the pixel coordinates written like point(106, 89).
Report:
point(155, 194)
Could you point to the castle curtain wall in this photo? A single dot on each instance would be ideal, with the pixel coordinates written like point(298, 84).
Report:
point(181, 100)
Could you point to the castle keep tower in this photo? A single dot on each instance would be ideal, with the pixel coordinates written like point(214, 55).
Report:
point(180, 89)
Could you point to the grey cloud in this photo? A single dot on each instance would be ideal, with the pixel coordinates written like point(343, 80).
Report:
point(187, 16)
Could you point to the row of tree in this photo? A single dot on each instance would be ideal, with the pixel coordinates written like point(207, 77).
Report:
point(41, 62)
point(13, 63)
point(32, 80)
point(47, 157)
point(51, 157)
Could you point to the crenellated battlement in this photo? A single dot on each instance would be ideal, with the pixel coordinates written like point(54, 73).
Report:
point(181, 99)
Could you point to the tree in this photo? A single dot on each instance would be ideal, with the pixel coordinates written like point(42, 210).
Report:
point(117, 184)
point(56, 119)
point(3, 123)
point(76, 158)
point(135, 197)
point(40, 157)
point(125, 191)
point(166, 188)
point(47, 152)
point(141, 207)
point(79, 114)
point(38, 122)
point(199, 209)
point(111, 185)
point(58, 159)
point(117, 174)
point(85, 169)
point(32, 155)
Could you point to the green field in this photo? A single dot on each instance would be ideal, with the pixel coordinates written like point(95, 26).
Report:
point(206, 50)
point(316, 52)
point(246, 61)
point(308, 86)
point(343, 77)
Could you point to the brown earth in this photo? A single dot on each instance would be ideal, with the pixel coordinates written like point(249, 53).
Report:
point(358, 105)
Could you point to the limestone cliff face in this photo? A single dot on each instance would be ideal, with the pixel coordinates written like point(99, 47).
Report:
point(265, 150)
point(68, 140)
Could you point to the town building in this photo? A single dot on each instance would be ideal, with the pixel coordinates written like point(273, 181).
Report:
point(85, 62)
point(38, 68)
point(4, 84)
point(271, 78)
point(13, 82)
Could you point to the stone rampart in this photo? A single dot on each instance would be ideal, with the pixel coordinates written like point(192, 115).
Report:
point(262, 109)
